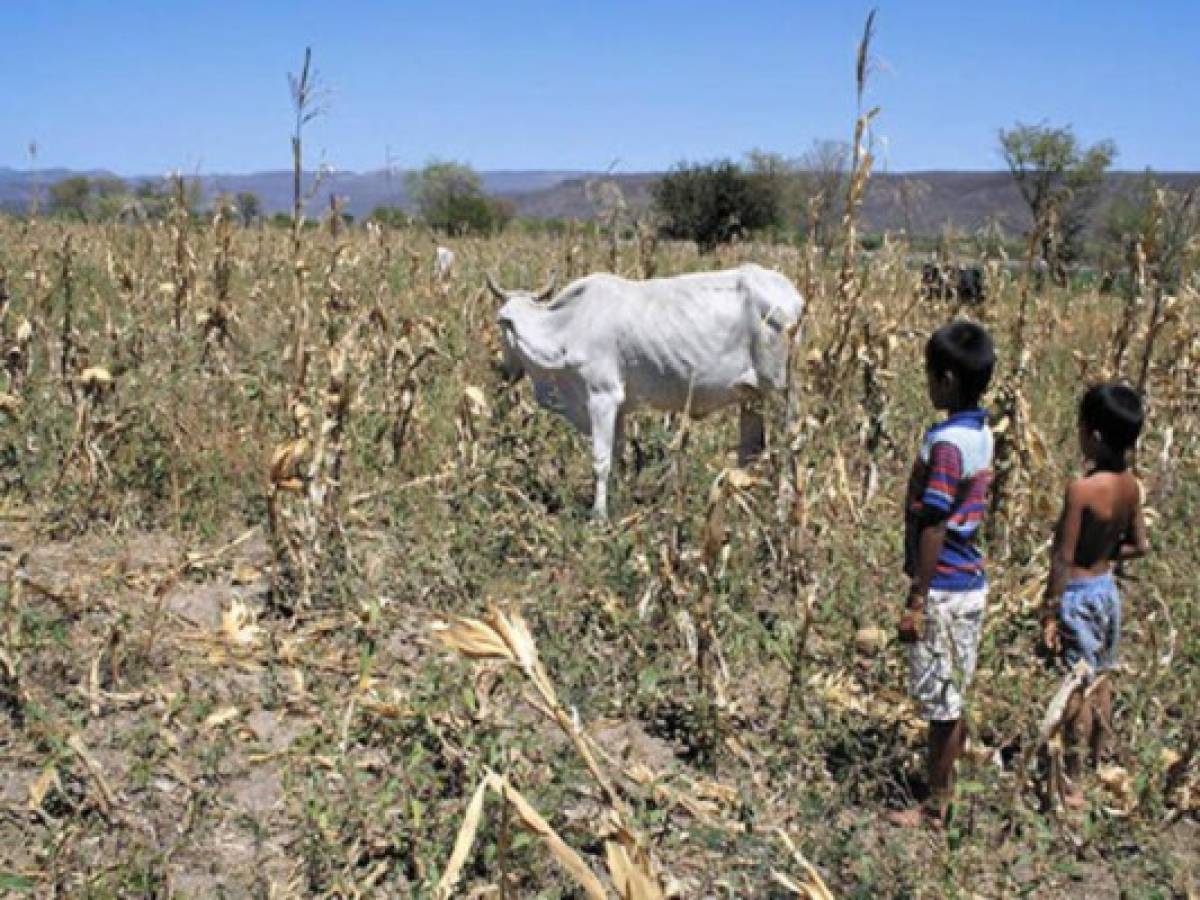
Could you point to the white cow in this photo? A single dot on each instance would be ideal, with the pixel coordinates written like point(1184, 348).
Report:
point(605, 345)
point(443, 262)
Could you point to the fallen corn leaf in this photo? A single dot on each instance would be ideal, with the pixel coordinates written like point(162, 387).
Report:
point(237, 625)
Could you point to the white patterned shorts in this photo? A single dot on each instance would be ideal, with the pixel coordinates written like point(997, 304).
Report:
point(942, 663)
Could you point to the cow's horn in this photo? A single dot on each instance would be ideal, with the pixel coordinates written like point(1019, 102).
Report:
point(498, 291)
point(548, 291)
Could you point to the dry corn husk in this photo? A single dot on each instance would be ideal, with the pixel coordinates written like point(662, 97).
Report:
point(238, 626)
point(870, 640)
point(42, 785)
point(95, 377)
point(287, 463)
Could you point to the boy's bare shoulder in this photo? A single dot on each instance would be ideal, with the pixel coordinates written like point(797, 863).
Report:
point(1103, 488)
point(1080, 489)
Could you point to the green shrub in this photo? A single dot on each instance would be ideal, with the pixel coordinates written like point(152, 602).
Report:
point(713, 203)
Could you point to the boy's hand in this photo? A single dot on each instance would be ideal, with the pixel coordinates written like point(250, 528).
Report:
point(1050, 640)
point(912, 626)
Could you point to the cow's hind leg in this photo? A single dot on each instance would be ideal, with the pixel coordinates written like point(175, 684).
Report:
point(605, 413)
point(752, 439)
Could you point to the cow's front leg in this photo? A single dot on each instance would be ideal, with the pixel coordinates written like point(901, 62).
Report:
point(604, 411)
point(618, 451)
point(751, 432)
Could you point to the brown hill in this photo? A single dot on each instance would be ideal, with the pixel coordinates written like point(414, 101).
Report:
point(921, 203)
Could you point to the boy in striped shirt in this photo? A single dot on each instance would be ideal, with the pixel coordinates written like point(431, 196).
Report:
point(944, 511)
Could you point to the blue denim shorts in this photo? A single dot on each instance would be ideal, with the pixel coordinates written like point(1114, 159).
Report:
point(1089, 619)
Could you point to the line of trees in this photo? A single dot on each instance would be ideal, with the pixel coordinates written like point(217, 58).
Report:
point(108, 198)
point(1059, 178)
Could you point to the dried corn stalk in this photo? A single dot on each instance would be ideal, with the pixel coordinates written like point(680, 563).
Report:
point(532, 821)
point(506, 638)
point(305, 533)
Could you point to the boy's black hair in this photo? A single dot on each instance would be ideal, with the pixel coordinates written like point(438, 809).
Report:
point(1114, 410)
point(966, 349)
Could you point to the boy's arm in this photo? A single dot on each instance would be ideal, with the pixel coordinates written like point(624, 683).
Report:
point(1135, 544)
point(1062, 555)
point(944, 475)
point(1066, 537)
point(937, 500)
point(931, 537)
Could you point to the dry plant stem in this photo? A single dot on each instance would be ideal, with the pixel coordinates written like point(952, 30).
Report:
point(875, 405)
point(579, 741)
point(65, 338)
point(1124, 332)
point(216, 326)
point(799, 646)
point(849, 291)
point(502, 848)
point(183, 264)
point(1010, 444)
point(794, 391)
point(1158, 304)
point(160, 594)
point(302, 98)
point(10, 652)
point(533, 821)
point(1176, 774)
point(1052, 719)
point(406, 401)
point(1036, 235)
point(812, 251)
point(703, 607)
point(306, 106)
point(114, 646)
point(1157, 320)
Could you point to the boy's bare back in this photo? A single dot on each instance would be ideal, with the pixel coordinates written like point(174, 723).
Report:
point(1102, 523)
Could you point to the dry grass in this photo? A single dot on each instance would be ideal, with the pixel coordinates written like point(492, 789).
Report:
point(229, 541)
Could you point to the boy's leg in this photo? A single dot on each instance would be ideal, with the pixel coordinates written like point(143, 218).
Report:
point(1082, 623)
point(1102, 695)
point(943, 665)
point(946, 743)
point(1101, 702)
point(1076, 728)
point(1076, 731)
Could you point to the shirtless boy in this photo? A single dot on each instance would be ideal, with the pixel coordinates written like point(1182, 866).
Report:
point(1101, 524)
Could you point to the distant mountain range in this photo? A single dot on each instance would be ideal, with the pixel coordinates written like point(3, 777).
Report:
point(920, 202)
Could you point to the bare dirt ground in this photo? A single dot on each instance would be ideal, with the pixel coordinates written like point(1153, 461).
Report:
point(171, 746)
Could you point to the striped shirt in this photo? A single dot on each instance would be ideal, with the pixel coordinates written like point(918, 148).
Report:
point(950, 481)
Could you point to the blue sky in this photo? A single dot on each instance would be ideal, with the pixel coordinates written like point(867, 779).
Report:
point(144, 87)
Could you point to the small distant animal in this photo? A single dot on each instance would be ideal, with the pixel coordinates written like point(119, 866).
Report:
point(606, 345)
point(443, 262)
point(962, 283)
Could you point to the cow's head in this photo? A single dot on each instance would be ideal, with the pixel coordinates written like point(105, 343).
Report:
point(514, 305)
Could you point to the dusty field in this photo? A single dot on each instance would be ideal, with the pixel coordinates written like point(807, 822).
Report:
point(222, 571)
